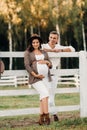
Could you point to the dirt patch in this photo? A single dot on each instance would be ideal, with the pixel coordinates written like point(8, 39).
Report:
point(12, 123)
point(29, 121)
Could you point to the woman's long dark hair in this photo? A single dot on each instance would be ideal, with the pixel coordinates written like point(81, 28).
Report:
point(30, 47)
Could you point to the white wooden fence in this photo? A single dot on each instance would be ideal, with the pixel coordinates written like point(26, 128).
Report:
point(81, 71)
point(21, 78)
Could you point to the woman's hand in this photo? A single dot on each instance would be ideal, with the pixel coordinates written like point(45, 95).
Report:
point(44, 62)
point(40, 76)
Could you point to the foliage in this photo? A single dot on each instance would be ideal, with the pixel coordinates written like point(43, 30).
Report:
point(35, 13)
point(40, 17)
point(10, 9)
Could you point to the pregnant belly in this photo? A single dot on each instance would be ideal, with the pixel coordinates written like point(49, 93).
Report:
point(42, 69)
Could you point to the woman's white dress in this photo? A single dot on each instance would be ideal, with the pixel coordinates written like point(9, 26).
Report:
point(42, 68)
point(42, 86)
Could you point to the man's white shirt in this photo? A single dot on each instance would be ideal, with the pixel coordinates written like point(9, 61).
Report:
point(56, 61)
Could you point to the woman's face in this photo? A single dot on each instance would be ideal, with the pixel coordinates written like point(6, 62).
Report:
point(35, 43)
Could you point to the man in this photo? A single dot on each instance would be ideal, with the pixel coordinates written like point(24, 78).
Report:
point(54, 47)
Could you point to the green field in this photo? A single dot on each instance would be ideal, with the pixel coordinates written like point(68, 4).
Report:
point(67, 120)
point(14, 102)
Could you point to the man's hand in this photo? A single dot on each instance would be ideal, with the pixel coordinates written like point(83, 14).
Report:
point(57, 50)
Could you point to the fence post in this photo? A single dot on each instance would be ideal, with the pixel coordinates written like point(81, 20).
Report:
point(83, 83)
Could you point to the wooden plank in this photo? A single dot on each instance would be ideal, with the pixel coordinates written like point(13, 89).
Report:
point(67, 90)
point(19, 54)
point(27, 111)
point(33, 91)
point(65, 72)
point(59, 72)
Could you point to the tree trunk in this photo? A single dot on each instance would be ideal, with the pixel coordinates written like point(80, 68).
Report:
point(10, 43)
point(84, 41)
point(31, 29)
point(25, 33)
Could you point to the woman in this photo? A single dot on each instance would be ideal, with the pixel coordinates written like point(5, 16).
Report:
point(37, 64)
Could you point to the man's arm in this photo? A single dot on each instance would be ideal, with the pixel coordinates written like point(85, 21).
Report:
point(59, 49)
point(49, 50)
point(65, 49)
point(68, 49)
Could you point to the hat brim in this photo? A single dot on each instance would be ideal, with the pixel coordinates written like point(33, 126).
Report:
point(35, 37)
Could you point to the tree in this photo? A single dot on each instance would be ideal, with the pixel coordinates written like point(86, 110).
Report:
point(9, 10)
point(35, 13)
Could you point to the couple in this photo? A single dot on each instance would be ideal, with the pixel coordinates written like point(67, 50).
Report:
point(38, 65)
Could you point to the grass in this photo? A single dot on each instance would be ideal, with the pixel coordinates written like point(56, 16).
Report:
point(15, 102)
point(13, 87)
point(26, 101)
point(67, 120)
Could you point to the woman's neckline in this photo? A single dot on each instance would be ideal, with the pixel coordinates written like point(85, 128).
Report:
point(37, 52)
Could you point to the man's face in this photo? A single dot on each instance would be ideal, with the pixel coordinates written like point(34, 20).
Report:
point(53, 38)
